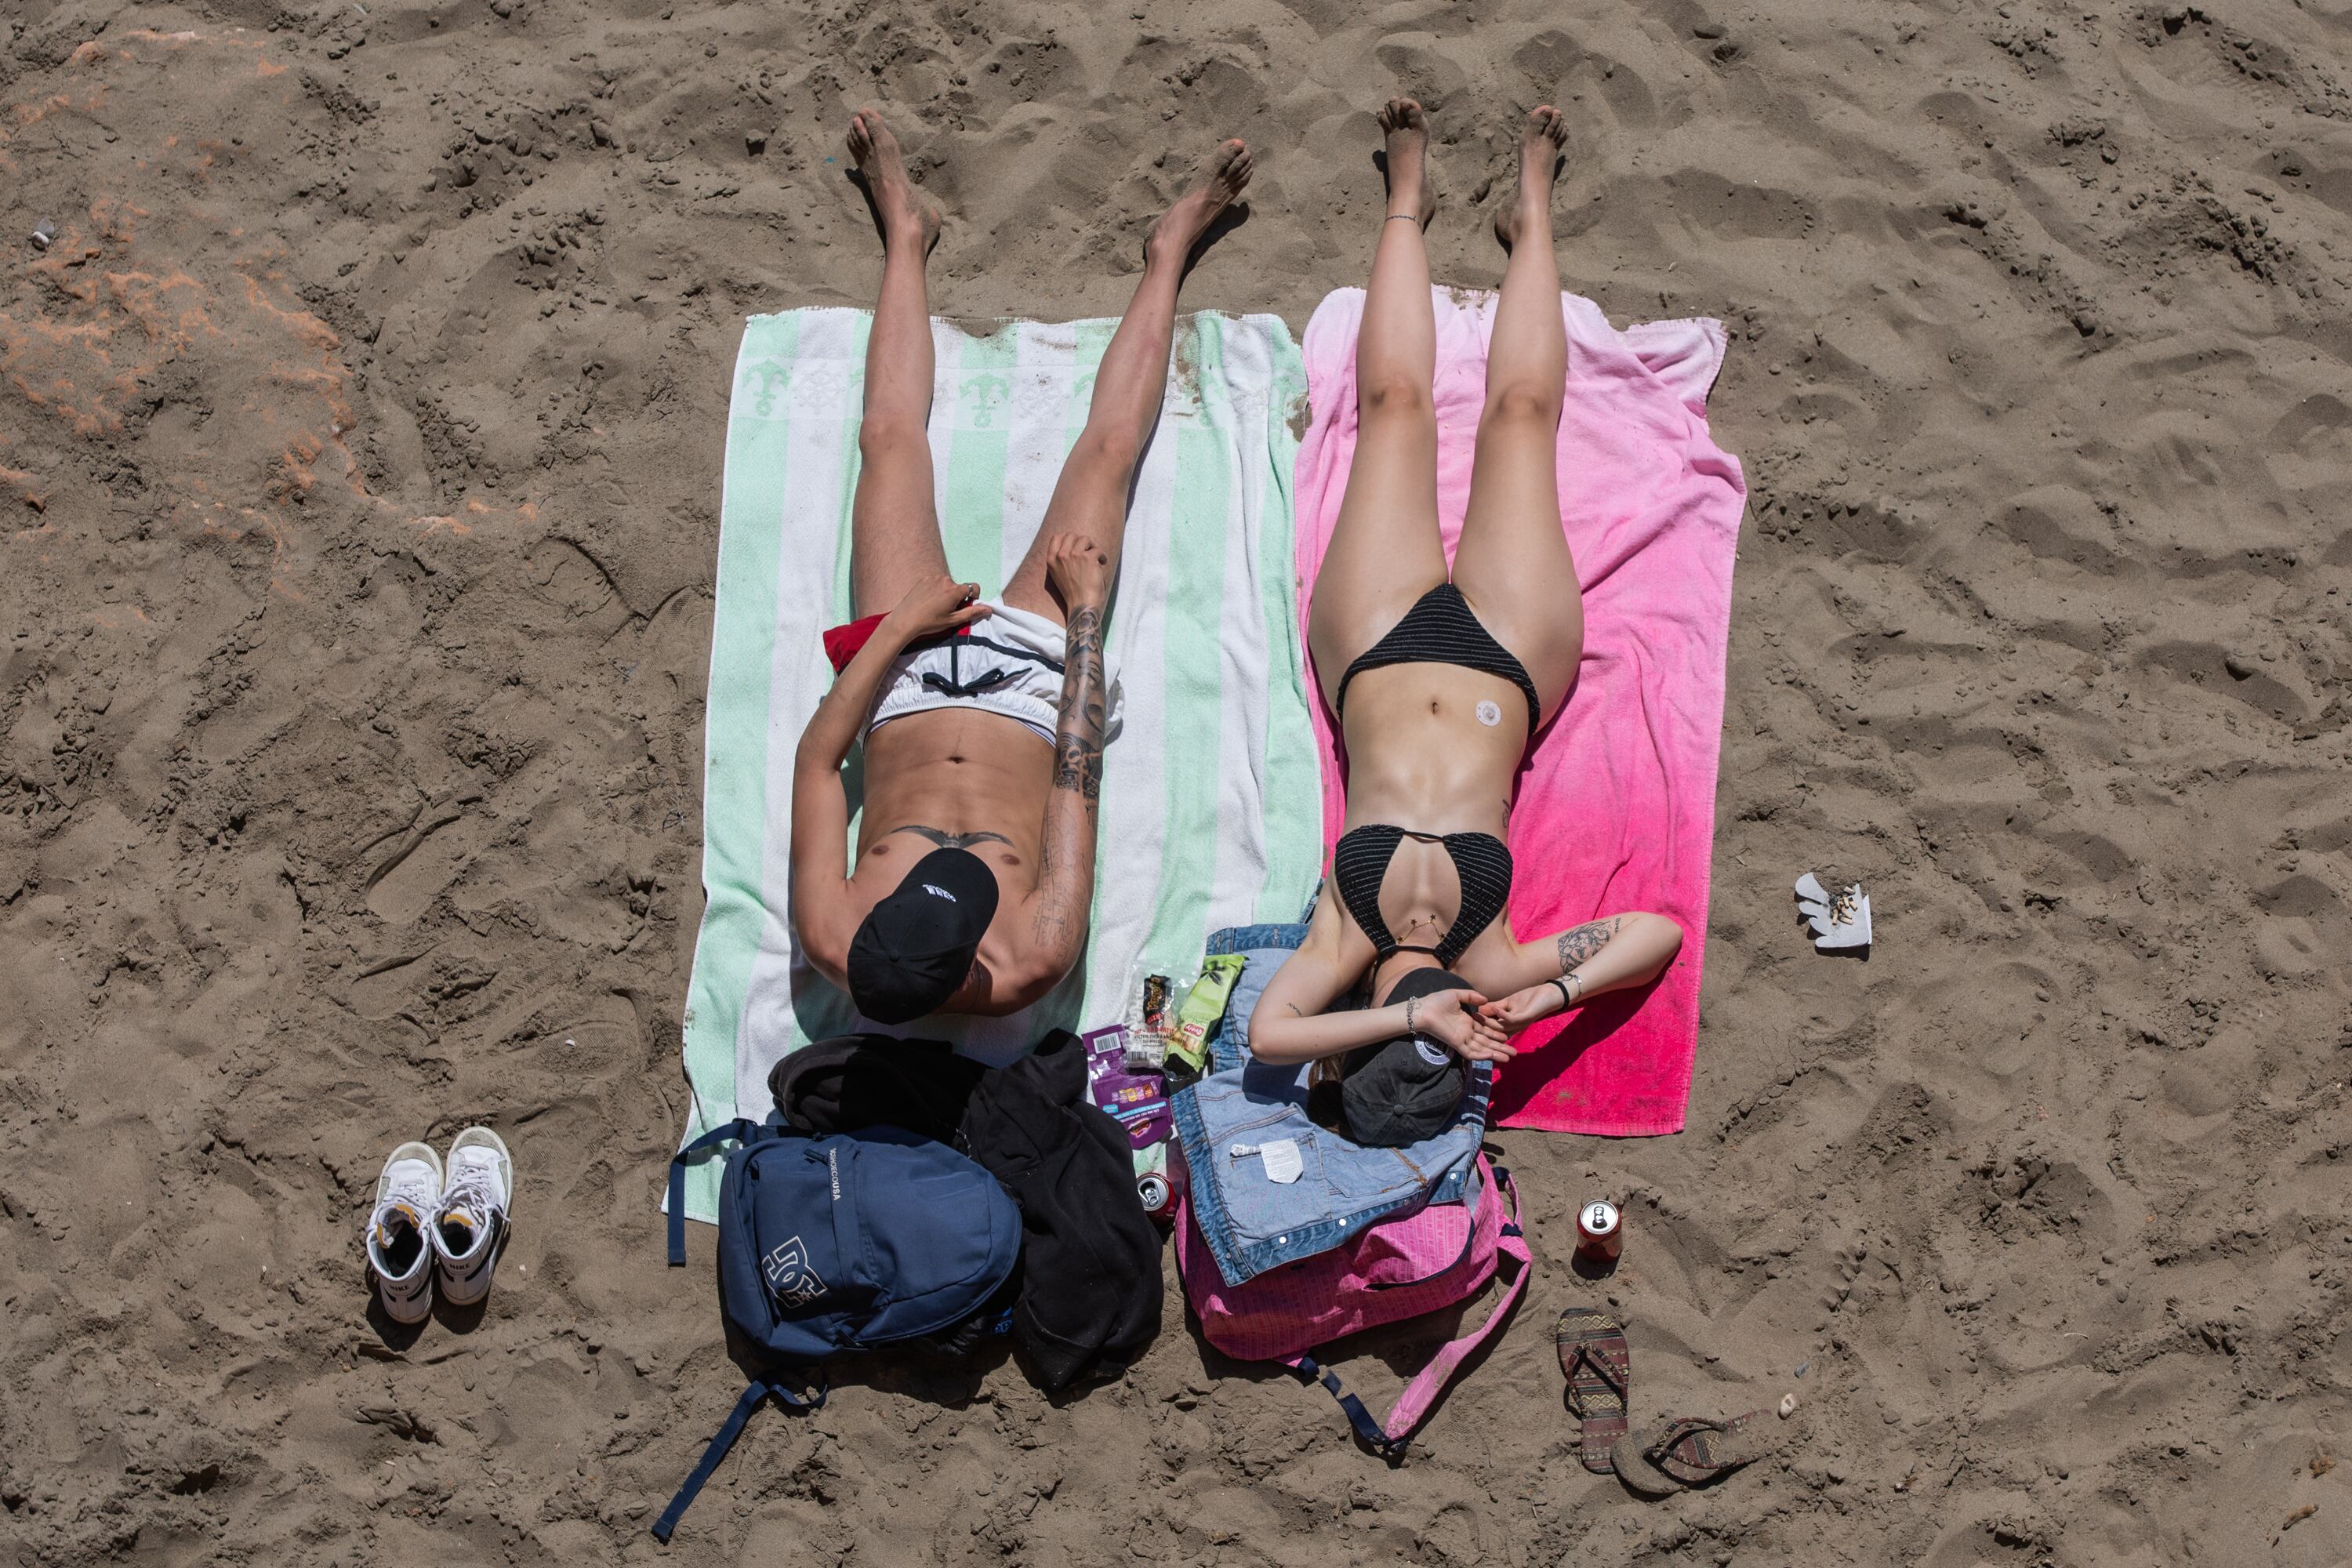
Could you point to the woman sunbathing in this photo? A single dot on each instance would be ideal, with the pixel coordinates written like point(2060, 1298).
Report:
point(1440, 684)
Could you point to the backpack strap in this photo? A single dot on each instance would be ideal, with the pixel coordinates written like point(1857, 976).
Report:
point(738, 1130)
point(757, 1391)
point(1390, 1438)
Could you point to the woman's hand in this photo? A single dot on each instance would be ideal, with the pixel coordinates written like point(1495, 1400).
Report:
point(1457, 1020)
point(1079, 570)
point(938, 604)
point(1521, 1008)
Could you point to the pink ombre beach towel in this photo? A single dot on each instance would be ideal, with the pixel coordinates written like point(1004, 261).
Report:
point(1616, 808)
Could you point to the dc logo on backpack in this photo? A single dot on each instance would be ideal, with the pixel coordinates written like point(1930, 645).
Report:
point(790, 1275)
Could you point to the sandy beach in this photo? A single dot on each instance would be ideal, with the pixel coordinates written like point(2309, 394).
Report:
point(360, 444)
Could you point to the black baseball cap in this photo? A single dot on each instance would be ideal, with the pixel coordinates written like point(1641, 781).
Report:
point(1409, 1088)
point(916, 947)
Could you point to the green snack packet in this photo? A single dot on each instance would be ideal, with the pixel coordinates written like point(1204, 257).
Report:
point(1204, 1006)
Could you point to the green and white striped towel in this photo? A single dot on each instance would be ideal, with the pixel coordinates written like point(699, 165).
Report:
point(1211, 802)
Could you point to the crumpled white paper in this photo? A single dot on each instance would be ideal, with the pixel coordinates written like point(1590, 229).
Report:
point(1838, 920)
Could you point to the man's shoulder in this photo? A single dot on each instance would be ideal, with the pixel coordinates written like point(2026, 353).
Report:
point(1025, 963)
point(825, 920)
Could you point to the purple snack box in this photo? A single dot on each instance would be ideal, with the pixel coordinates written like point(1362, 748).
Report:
point(1139, 1101)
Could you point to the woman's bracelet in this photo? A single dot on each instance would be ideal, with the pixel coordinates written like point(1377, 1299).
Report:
point(1410, 1005)
point(1568, 997)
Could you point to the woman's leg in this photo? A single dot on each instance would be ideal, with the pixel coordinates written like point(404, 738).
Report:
point(1513, 564)
point(1090, 495)
point(1385, 551)
point(893, 532)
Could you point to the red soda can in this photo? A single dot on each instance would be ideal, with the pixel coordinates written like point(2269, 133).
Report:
point(1599, 1235)
point(1158, 1193)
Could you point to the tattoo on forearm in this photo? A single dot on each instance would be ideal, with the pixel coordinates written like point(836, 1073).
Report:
point(1085, 710)
point(946, 840)
point(1584, 941)
point(1062, 862)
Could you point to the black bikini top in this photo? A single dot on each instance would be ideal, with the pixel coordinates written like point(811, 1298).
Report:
point(1482, 861)
point(1442, 628)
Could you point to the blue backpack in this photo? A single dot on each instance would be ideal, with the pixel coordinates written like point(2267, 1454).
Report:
point(846, 1242)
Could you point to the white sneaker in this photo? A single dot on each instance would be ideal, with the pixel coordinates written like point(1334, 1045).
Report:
point(399, 1250)
point(469, 1228)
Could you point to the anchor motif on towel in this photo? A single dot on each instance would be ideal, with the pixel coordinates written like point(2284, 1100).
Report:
point(770, 379)
point(985, 392)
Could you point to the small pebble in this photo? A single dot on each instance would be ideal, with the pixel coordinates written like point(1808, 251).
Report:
point(43, 233)
point(1788, 1405)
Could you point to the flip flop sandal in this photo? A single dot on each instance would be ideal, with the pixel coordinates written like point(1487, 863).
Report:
point(1599, 1367)
point(1691, 1450)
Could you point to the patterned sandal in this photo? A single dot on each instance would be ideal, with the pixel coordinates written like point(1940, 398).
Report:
point(1692, 1450)
point(1599, 1366)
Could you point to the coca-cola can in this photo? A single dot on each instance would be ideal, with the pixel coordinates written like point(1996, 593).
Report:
point(1600, 1234)
point(1158, 1193)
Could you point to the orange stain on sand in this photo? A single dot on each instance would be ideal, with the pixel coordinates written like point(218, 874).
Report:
point(123, 297)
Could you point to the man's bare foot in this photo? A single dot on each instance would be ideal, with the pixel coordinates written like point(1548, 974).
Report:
point(1541, 142)
point(1407, 130)
point(906, 216)
point(1224, 174)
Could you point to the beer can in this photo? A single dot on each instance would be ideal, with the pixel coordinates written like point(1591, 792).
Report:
point(1158, 1193)
point(1599, 1235)
point(1155, 1004)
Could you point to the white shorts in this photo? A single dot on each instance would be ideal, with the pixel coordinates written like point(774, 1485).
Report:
point(1010, 664)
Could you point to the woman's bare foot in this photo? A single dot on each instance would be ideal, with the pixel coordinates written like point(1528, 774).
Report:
point(906, 217)
point(1541, 142)
point(1224, 174)
point(1407, 130)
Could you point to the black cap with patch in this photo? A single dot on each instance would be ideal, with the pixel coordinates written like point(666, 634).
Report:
point(916, 948)
point(1403, 1090)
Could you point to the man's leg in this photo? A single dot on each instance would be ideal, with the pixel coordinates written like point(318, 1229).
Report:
point(893, 532)
point(1090, 496)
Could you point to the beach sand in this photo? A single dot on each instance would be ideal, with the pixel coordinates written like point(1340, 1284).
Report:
point(359, 442)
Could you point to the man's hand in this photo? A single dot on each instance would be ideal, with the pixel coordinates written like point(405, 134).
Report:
point(1079, 570)
point(938, 604)
point(1457, 1019)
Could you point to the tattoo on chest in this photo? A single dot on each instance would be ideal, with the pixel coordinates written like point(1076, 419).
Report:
point(955, 840)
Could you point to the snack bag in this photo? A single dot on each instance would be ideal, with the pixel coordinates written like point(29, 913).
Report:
point(1137, 1100)
point(1188, 1048)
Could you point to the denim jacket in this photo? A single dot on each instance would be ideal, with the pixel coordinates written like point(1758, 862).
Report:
point(1251, 1223)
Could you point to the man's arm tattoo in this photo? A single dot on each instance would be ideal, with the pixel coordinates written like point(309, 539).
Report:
point(1084, 713)
point(1584, 941)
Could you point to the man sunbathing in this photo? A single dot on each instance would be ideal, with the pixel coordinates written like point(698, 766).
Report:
point(984, 723)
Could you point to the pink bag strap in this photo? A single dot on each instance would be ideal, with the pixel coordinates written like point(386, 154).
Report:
point(1390, 1438)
